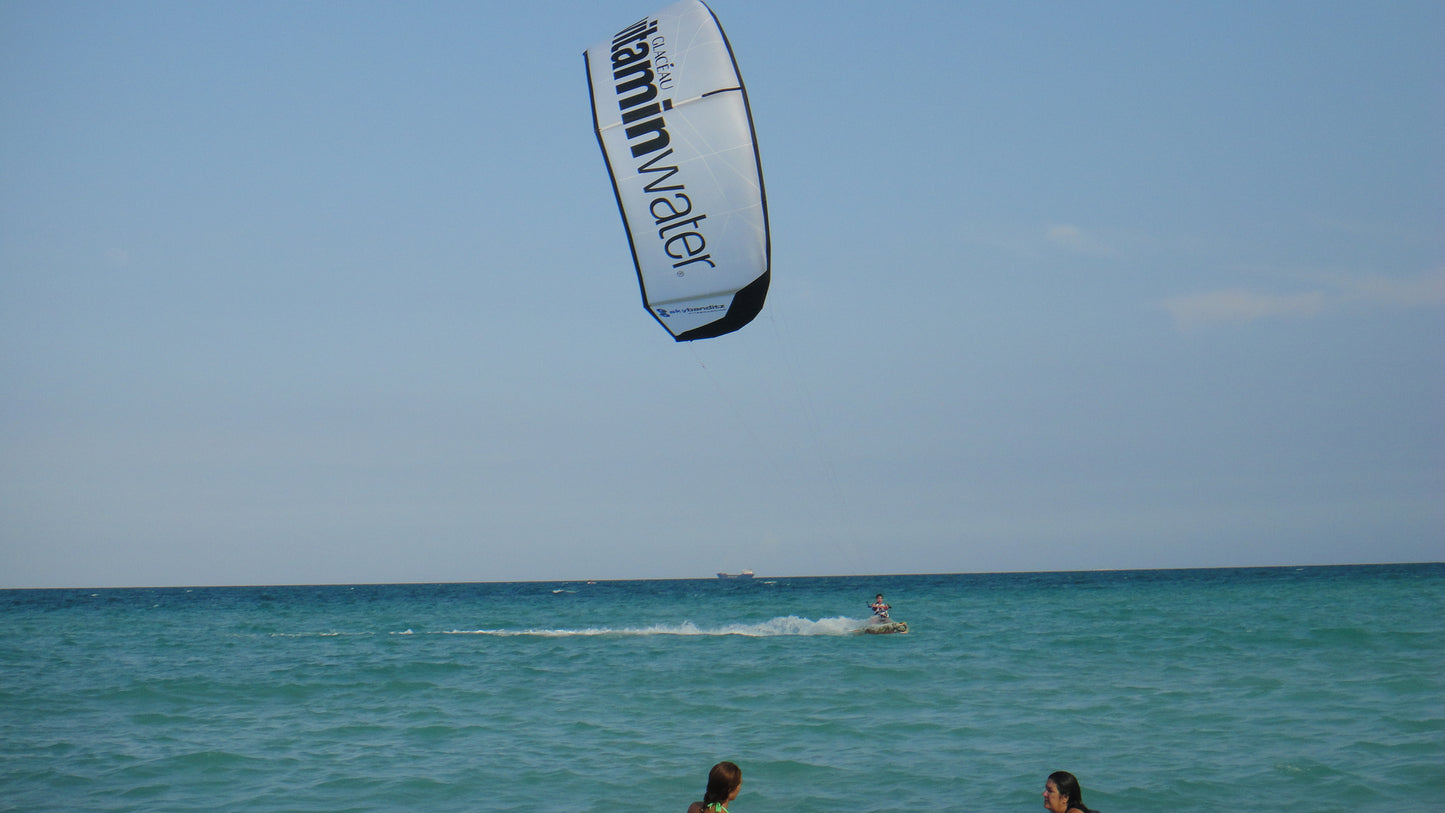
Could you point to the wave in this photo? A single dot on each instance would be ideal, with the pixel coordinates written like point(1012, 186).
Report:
point(790, 625)
point(780, 626)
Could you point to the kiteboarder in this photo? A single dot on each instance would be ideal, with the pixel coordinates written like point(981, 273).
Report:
point(880, 609)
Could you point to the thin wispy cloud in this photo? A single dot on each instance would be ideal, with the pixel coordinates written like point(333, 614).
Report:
point(1194, 311)
point(1236, 305)
point(1420, 291)
point(1078, 240)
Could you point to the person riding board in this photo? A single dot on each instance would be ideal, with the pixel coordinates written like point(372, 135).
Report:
point(880, 608)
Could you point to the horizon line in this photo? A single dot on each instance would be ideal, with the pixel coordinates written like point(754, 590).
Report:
point(714, 577)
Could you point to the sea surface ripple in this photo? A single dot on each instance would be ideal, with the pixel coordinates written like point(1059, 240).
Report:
point(1200, 690)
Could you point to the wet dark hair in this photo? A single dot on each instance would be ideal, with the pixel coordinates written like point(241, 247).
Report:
point(1068, 785)
point(722, 780)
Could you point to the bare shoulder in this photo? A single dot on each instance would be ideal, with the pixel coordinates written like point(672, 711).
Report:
point(695, 807)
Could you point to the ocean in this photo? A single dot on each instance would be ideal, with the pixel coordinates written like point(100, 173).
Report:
point(1183, 690)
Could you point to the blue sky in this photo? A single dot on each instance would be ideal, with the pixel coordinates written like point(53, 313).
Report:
point(338, 292)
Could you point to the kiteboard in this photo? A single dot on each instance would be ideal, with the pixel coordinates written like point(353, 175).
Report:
point(883, 628)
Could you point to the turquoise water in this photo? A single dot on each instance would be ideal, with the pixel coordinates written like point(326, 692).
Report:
point(1197, 690)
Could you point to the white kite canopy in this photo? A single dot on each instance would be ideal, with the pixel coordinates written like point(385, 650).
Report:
point(672, 118)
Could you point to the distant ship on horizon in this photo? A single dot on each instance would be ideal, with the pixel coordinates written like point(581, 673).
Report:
point(746, 574)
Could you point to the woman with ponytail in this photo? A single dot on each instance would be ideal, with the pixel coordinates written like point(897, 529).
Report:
point(723, 783)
